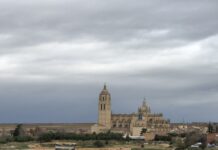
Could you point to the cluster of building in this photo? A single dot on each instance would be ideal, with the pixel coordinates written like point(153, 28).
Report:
point(129, 124)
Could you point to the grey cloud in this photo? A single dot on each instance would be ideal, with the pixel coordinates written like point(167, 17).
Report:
point(54, 21)
point(57, 54)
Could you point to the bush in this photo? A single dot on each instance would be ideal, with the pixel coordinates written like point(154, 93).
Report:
point(18, 130)
point(183, 135)
point(180, 144)
point(6, 139)
point(162, 138)
point(46, 137)
point(106, 142)
point(173, 134)
point(98, 144)
point(23, 139)
point(192, 138)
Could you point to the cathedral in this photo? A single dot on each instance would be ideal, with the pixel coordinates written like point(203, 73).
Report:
point(132, 124)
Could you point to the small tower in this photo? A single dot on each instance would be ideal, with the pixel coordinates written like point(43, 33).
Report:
point(144, 108)
point(104, 108)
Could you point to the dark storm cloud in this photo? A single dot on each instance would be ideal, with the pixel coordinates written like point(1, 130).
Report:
point(57, 54)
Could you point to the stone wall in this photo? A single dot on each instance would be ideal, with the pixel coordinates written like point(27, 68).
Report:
point(8, 129)
point(136, 131)
point(149, 136)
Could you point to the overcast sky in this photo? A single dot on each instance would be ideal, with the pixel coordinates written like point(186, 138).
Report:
point(55, 56)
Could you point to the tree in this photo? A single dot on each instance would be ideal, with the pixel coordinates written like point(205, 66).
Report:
point(143, 131)
point(98, 144)
point(23, 138)
point(179, 143)
point(173, 134)
point(203, 141)
point(193, 138)
point(106, 142)
point(162, 138)
point(5, 139)
point(38, 131)
point(18, 130)
point(210, 128)
point(46, 137)
point(127, 138)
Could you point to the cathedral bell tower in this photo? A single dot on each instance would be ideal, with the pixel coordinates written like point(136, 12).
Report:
point(104, 108)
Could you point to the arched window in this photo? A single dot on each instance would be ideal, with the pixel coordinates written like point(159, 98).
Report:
point(104, 106)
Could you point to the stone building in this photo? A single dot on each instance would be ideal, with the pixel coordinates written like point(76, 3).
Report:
point(104, 108)
point(129, 123)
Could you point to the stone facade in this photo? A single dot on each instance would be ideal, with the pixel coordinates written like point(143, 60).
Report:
point(130, 123)
point(104, 108)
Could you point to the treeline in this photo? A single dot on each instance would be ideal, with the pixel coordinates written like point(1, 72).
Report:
point(20, 136)
point(49, 136)
point(162, 138)
point(17, 136)
point(169, 136)
point(7, 139)
point(46, 137)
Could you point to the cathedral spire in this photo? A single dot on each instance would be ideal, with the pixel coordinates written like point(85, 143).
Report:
point(105, 86)
point(105, 90)
point(144, 102)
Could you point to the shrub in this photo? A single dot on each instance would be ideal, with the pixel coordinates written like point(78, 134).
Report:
point(162, 138)
point(173, 134)
point(46, 137)
point(192, 138)
point(23, 139)
point(106, 142)
point(18, 130)
point(98, 144)
point(6, 139)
